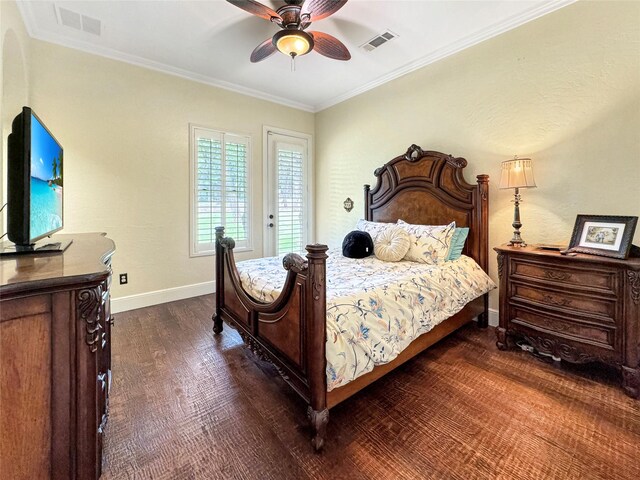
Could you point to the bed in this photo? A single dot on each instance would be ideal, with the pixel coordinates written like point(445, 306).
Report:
point(287, 323)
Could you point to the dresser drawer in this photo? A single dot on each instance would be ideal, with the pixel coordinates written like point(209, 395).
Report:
point(591, 278)
point(594, 334)
point(566, 302)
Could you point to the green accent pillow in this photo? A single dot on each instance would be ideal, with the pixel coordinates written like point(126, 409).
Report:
point(457, 243)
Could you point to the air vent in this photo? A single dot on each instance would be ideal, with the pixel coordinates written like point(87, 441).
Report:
point(90, 25)
point(69, 18)
point(74, 20)
point(378, 41)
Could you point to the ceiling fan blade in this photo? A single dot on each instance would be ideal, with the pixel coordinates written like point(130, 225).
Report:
point(329, 46)
point(319, 9)
point(262, 51)
point(258, 9)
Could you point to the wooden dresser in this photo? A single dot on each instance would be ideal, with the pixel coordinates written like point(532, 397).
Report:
point(55, 360)
point(580, 309)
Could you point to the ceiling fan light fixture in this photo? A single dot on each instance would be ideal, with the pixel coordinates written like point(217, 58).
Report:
point(293, 42)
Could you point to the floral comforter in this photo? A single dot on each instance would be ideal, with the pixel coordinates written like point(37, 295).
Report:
point(375, 309)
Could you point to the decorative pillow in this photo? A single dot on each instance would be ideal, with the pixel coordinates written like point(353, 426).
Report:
point(429, 243)
point(372, 228)
point(457, 242)
point(357, 244)
point(391, 244)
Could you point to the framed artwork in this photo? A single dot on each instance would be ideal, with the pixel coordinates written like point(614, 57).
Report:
point(609, 236)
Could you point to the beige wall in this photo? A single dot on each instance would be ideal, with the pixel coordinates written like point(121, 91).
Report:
point(125, 131)
point(14, 80)
point(563, 90)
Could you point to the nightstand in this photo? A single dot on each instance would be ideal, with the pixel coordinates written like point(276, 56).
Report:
point(579, 309)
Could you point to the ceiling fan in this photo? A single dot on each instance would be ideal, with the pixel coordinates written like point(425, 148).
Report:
point(293, 18)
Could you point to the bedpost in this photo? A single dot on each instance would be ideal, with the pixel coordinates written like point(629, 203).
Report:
point(219, 271)
point(316, 342)
point(367, 214)
point(483, 254)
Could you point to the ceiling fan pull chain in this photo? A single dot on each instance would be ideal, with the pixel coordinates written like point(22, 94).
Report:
point(293, 63)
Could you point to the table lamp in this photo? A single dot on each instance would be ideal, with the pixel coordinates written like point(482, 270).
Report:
point(517, 173)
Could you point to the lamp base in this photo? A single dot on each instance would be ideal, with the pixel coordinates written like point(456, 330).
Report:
point(517, 240)
point(515, 243)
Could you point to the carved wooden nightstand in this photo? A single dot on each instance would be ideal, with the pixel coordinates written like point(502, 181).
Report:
point(579, 309)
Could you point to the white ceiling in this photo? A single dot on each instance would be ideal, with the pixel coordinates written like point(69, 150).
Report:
point(210, 41)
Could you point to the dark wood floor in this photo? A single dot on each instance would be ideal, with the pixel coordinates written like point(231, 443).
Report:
point(186, 405)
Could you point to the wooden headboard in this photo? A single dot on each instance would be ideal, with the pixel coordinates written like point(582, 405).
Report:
point(428, 188)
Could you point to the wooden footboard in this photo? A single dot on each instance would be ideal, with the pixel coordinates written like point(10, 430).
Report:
point(290, 332)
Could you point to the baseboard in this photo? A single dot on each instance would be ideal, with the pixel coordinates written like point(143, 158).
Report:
point(493, 317)
point(142, 300)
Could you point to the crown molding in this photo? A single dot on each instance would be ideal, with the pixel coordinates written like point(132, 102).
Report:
point(469, 41)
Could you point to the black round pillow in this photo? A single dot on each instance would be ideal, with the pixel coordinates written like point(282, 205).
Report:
point(357, 244)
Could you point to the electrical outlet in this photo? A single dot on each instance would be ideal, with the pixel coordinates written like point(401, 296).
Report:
point(124, 279)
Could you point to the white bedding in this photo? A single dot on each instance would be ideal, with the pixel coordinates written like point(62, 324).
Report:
point(375, 308)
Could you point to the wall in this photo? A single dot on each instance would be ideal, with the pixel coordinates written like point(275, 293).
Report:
point(125, 131)
point(14, 81)
point(563, 90)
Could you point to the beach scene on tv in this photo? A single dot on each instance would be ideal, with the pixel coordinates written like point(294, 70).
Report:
point(46, 181)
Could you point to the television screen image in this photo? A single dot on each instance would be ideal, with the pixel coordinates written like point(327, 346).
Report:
point(45, 182)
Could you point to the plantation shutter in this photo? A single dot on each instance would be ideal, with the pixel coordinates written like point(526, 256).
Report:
point(221, 196)
point(236, 197)
point(291, 234)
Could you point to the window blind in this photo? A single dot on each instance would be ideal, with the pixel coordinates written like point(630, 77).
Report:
point(291, 232)
point(221, 196)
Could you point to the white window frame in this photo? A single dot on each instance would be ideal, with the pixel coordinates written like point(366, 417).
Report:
point(311, 225)
point(195, 251)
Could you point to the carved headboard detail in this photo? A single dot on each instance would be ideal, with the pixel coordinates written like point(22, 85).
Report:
point(428, 188)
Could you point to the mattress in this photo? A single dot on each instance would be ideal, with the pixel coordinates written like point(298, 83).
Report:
point(375, 309)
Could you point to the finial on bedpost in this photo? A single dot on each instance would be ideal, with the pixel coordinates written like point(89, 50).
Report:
point(483, 224)
point(317, 339)
point(219, 272)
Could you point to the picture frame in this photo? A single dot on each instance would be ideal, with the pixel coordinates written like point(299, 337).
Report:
point(605, 235)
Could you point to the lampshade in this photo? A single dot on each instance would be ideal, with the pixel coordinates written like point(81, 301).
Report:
point(293, 42)
point(517, 173)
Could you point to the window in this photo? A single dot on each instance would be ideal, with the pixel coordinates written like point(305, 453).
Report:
point(219, 189)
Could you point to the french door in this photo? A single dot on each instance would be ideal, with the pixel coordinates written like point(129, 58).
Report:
point(287, 200)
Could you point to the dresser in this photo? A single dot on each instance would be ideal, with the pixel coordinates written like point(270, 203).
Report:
point(580, 309)
point(55, 360)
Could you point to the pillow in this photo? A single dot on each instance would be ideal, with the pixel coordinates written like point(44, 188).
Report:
point(457, 243)
point(429, 243)
point(372, 228)
point(357, 244)
point(391, 244)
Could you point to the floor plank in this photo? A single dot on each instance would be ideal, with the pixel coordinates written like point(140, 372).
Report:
point(186, 404)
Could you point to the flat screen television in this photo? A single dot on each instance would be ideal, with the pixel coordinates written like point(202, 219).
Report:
point(34, 181)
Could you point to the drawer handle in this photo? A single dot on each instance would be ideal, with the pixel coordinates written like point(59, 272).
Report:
point(563, 302)
point(553, 275)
